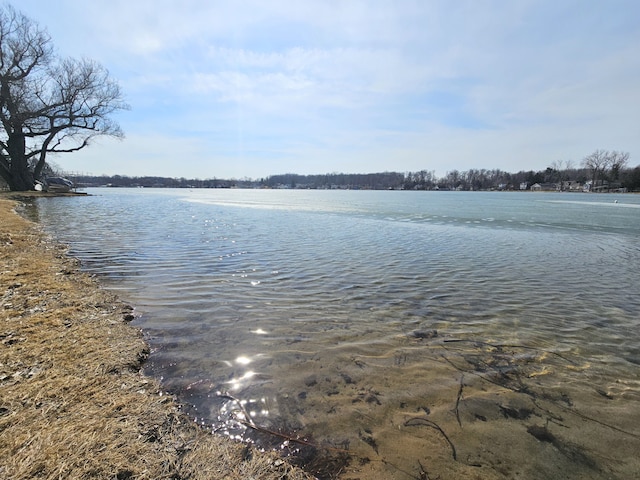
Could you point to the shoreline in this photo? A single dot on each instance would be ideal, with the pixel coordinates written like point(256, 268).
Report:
point(74, 402)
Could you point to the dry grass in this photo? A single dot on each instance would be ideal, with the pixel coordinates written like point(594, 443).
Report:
point(73, 403)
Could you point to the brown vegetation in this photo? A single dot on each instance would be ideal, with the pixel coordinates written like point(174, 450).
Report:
point(73, 402)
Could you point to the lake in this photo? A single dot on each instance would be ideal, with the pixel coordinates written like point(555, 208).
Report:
point(416, 334)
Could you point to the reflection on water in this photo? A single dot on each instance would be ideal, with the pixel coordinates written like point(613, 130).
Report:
point(492, 335)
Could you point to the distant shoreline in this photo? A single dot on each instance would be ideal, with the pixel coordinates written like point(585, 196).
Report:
point(563, 179)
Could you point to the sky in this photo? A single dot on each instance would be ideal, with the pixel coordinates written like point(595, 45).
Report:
point(252, 88)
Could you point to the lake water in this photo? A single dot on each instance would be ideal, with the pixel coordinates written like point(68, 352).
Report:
point(429, 334)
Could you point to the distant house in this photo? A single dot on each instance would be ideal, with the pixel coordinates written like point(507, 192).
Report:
point(604, 187)
point(524, 185)
point(544, 187)
point(572, 186)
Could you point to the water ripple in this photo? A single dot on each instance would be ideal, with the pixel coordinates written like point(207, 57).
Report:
point(310, 308)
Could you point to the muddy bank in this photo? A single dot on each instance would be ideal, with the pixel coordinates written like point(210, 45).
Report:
point(73, 401)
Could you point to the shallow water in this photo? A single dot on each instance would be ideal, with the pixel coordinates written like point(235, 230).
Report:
point(407, 327)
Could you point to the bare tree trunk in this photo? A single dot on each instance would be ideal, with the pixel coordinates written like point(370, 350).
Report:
point(21, 177)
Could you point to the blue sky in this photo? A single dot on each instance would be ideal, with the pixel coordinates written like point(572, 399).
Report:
point(234, 89)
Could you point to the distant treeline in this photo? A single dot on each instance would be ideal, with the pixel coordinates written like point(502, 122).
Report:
point(627, 179)
point(83, 180)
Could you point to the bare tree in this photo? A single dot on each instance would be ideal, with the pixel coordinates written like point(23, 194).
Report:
point(604, 164)
point(617, 162)
point(561, 169)
point(47, 104)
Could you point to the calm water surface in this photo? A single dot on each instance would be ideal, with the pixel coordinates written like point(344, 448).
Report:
point(456, 334)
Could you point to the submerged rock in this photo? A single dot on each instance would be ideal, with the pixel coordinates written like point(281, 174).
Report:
point(424, 334)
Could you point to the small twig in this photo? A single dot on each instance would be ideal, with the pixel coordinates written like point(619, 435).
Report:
point(421, 473)
point(458, 400)
point(586, 417)
point(251, 424)
point(292, 439)
point(424, 421)
point(483, 377)
point(249, 420)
